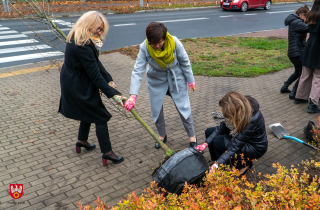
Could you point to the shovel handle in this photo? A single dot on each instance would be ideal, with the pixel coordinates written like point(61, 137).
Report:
point(301, 142)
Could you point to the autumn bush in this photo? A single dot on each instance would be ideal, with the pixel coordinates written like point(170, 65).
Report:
point(316, 133)
point(223, 189)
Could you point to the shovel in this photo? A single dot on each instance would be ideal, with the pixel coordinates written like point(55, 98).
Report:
point(281, 133)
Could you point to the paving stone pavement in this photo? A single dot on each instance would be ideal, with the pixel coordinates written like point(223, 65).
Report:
point(37, 144)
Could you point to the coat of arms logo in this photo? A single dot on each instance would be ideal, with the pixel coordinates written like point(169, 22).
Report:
point(16, 190)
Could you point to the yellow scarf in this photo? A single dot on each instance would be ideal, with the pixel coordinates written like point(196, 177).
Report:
point(165, 56)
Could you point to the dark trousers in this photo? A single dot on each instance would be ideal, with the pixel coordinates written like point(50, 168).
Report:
point(102, 133)
point(218, 145)
point(297, 70)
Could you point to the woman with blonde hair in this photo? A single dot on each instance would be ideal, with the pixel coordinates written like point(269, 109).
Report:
point(241, 134)
point(82, 75)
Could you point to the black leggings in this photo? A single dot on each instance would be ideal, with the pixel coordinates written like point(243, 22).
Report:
point(102, 133)
point(297, 70)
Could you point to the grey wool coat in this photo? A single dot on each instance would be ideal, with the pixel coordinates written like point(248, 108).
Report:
point(175, 78)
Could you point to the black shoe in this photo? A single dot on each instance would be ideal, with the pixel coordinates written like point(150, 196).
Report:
point(106, 157)
point(312, 108)
point(157, 146)
point(284, 88)
point(292, 95)
point(88, 148)
point(193, 144)
point(300, 101)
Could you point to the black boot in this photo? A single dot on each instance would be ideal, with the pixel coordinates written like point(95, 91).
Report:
point(284, 88)
point(312, 108)
point(300, 101)
point(292, 95)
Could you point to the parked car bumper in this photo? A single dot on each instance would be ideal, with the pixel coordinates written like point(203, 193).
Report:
point(231, 6)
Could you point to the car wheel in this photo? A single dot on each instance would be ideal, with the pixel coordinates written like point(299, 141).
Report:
point(268, 5)
point(244, 7)
point(225, 10)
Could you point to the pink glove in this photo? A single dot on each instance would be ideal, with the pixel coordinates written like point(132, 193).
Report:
point(129, 104)
point(202, 147)
point(192, 85)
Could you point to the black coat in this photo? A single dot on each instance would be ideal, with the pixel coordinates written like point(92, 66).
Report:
point(252, 142)
point(82, 75)
point(297, 34)
point(311, 55)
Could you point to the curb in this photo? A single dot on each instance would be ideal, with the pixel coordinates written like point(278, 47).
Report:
point(177, 9)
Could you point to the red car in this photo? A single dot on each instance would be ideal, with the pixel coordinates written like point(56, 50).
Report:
point(244, 5)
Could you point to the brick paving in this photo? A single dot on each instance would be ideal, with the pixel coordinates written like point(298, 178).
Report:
point(55, 177)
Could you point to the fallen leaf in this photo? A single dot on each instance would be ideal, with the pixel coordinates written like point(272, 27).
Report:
point(57, 135)
point(22, 140)
point(14, 93)
point(38, 120)
point(31, 141)
point(49, 168)
point(52, 132)
point(32, 104)
point(34, 132)
point(7, 91)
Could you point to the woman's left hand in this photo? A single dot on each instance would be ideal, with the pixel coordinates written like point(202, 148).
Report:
point(112, 84)
point(119, 99)
point(192, 85)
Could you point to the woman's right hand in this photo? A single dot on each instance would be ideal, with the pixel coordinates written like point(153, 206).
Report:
point(129, 104)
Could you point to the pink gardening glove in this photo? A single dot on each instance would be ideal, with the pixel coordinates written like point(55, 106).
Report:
point(202, 147)
point(129, 104)
point(192, 85)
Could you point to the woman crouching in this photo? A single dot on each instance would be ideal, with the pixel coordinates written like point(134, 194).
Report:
point(241, 134)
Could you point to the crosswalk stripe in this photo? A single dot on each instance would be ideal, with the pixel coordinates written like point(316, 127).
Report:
point(43, 31)
point(12, 36)
point(21, 49)
point(4, 28)
point(30, 56)
point(26, 41)
point(8, 32)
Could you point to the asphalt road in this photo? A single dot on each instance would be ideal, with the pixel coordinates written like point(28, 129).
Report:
point(19, 45)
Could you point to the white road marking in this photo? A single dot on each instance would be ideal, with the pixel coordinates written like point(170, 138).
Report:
point(21, 49)
point(8, 32)
point(25, 41)
point(251, 14)
point(129, 24)
point(12, 36)
point(42, 31)
point(69, 24)
point(280, 12)
point(30, 56)
point(4, 28)
point(168, 21)
point(226, 16)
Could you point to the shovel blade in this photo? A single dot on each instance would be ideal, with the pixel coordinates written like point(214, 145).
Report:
point(278, 130)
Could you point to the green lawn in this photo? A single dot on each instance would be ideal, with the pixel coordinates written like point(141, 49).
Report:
point(237, 56)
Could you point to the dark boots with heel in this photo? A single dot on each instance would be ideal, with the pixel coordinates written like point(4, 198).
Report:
point(313, 108)
point(284, 88)
point(111, 156)
point(292, 95)
point(88, 148)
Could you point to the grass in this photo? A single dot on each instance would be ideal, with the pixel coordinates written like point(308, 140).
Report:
point(232, 56)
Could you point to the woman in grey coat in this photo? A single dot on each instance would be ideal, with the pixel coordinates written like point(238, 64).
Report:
point(168, 72)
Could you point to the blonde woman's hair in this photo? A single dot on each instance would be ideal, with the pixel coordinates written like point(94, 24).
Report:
point(236, 108)
point(80, 32)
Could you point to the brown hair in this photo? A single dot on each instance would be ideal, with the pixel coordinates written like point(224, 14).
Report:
point(155, 32)
point(303, 10)
point(314, 13)
point(236, 109)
